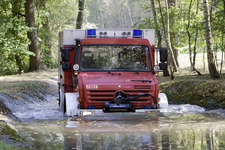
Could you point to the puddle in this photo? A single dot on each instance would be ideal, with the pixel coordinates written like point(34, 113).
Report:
point(181, 127)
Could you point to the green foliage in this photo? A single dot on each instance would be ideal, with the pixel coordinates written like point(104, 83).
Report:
point(13, 41)
point(52, 16)
point(179, 21)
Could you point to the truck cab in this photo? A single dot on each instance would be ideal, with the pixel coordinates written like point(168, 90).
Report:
point(108, 70)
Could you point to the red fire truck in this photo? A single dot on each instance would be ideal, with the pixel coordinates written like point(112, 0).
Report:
point(109, 70)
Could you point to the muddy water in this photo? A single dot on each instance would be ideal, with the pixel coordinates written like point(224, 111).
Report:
point(182, 127)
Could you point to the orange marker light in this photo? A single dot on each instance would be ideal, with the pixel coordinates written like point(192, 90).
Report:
point(158, 99)
point(79, 99)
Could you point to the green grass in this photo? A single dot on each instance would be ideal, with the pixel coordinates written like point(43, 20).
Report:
point(37, 75)
point(8, 131)
point(4, 146)
point(194, 89)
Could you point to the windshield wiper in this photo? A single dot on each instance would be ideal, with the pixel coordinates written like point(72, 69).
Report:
point(119, 68)
point(149, 81)
point(127, 69)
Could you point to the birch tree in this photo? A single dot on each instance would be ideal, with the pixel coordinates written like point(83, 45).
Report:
point(158, 34)
point(208, 36)
point(192, 60)
point(171, 59)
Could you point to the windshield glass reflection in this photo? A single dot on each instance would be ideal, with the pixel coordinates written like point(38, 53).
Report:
point(115, 57)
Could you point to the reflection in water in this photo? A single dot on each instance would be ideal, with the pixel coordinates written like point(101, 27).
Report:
point(194, 136)
point(117, 132)
point(129, 131)
point(98, 141)
point(171, 131)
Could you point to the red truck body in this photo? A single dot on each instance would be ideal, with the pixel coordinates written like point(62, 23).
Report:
point(96, 87)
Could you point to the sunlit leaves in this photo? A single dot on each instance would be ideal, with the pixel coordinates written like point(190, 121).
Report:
point(13, 39)
point(178, 24)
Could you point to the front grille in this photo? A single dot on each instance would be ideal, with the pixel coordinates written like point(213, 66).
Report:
point(108, 95)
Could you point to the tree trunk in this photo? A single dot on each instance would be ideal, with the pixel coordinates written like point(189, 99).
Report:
point(172, 3)
point(175, 51)
point(101, 15)
point(194, 56)
point(47, 38)
point(32, 35)
point(222, 49)
point(222, 52)
point(122, 15)
point(211, 65)
point(168, 41)
point(156, 24)
point(80, 15)
point(165, 72)
point(192, 60)
point(171, 60)
point(130, 15)
point(194, 52)
point(16, 12)
point(203, 60)
point(189, 35)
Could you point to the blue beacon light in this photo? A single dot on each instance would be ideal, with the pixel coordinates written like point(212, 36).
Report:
point(137, 33)
point(91, 33)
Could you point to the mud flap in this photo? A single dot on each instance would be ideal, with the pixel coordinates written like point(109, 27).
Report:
point(163, 103)
point(71, 104)
point(61, 99)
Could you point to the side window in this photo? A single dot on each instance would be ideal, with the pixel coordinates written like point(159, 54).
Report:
point(87, 60)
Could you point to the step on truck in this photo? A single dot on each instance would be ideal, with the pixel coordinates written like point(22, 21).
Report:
point(109, 70)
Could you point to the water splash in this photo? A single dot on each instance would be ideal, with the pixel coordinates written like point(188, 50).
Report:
point(30, 108)
point(185, 108)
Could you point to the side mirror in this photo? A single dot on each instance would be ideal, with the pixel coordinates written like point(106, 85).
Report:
point(163, 66)
point(65, 54)
point(163, 54)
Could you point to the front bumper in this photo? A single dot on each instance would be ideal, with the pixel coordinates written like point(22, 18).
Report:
point(91, 112)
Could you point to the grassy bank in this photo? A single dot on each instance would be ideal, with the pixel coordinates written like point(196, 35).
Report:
point(194, 89)
point(35, 86)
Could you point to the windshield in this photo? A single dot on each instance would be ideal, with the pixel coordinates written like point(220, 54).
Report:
point(115, 58)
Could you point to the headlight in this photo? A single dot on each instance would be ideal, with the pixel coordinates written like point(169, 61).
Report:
point(87, 113)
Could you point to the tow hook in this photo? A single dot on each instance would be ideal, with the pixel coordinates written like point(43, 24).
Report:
point(121, 102)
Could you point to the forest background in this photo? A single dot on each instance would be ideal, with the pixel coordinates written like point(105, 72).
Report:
point(29, 29)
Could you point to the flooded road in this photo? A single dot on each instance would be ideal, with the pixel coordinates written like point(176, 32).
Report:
point(182, 127)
